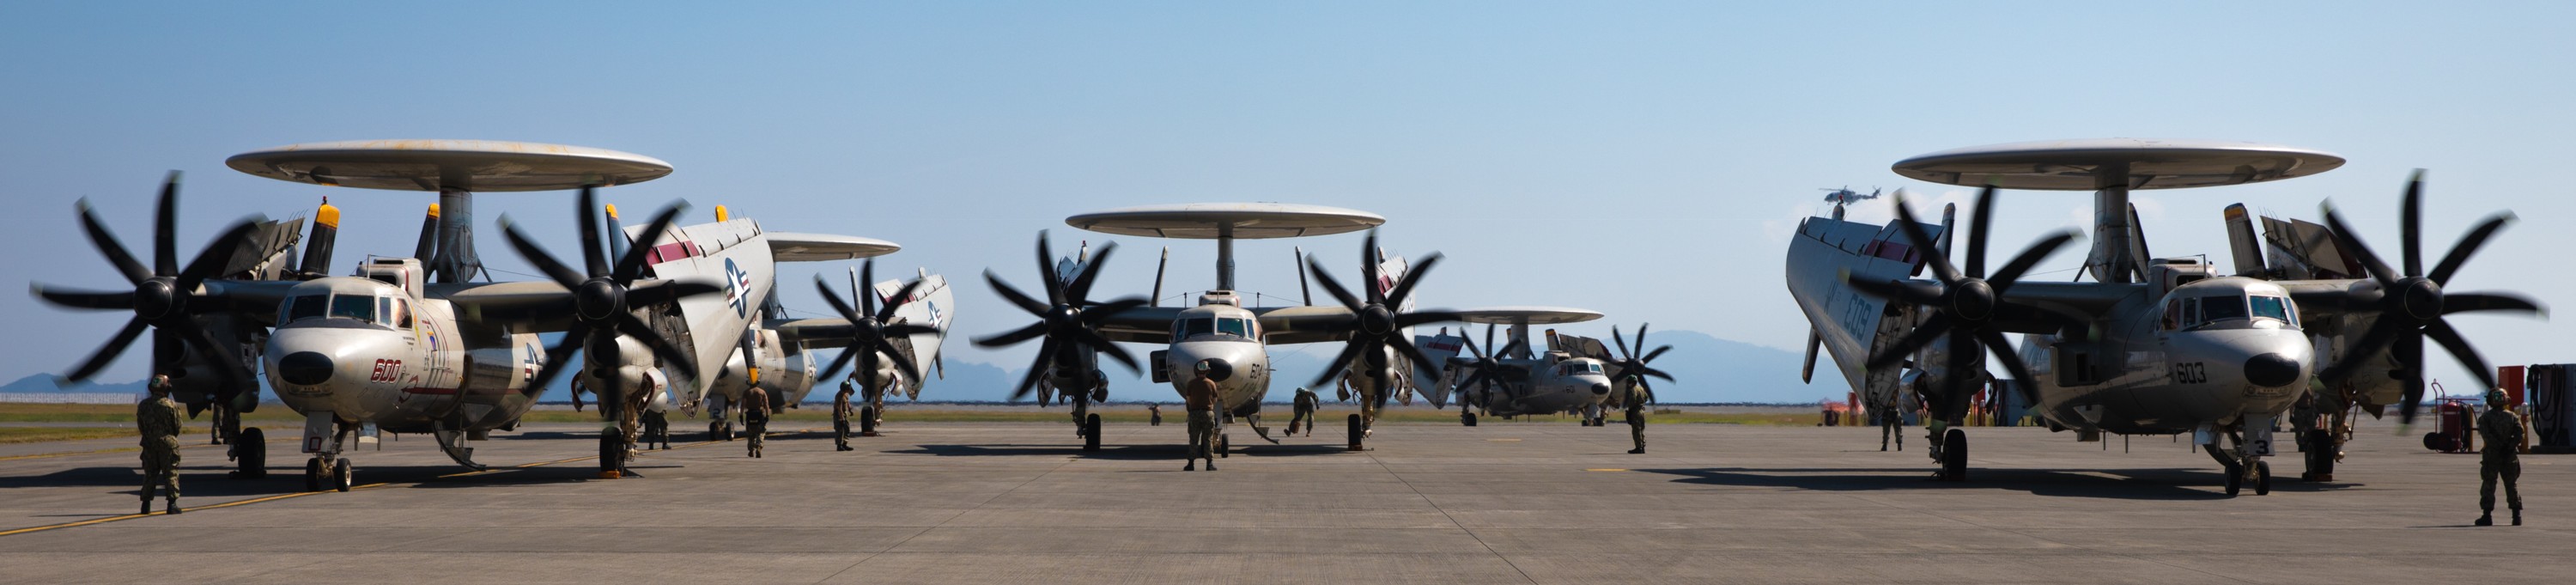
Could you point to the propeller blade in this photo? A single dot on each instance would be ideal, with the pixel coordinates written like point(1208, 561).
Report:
point(901, 363)
point(834, 299)
point(1368, 267)
point(115, 346)
point(1418, 318)
point(1081, 287)
point(593, 259)
point(659, 291)
point(2410, 225)
point(840, 361)
point(1100, 313)
point(216, 254)
point(1923, 335)
point(1015, 296)
point(1909, 291)
point(2482, 301)
point(1421, 362)
point(901, 297)
point(2382, 331)
point(546, 263)
point(1013, 337)
point(1995, 342)
point(1091, 338)
point(2013, 270)
point(2343, 233)
point(1985, 210)
point(2442, 333)
point(1655, 372)
point(1650, 356)
point(165, 228)
point(236, 377)
point(107, 244)
point(559, 357)
point(1341, 361)
point(1332, 287)
point(867, 277)
point(1046, 271)
point(2468, 246)
point(1641, 336)
point(1923, 241)
point(100, 301)
point(662, 347)
point(869, 364)
point(1412, 276)
point(1623, 344)
point(633, 264)
point(1029, 381)
point(2409, 351)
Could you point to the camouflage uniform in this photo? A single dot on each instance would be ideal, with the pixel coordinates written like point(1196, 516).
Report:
point(755, 417)
point(158, 419)
point(1200, 394)
point(1636, 403)
point(1305, 409)
point(657, 429)
point(2502, 432)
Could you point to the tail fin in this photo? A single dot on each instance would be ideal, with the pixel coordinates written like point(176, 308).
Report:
point(2248, 249)
point(1439, 348)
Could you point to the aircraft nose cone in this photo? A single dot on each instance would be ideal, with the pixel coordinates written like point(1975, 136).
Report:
point(1219, 370)
point(304, 368)
point(2271, 370)
point(1600, 389)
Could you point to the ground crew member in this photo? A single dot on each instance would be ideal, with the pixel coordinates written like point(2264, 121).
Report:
point(1891, 425)
point(158, 418)
point(2303, 418)
point(1200, 398)
point(1156, 411)
point(657, 429)
point(2502, 432)
point(1636, 401)
point(841, 413)
point(1305, 412)
point(755, 416)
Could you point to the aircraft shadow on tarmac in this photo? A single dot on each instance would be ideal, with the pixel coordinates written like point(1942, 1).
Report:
point(1123, 453)
point(2127, 484)
point(210, 483)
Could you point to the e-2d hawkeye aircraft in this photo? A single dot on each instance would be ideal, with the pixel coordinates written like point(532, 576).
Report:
point(1377, 361)
point(1572, 376)
point(2154, 346)
point(392, 350)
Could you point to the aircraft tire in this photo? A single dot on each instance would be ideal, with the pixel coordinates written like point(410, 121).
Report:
point(1467, 418)
point(250, 450)
point(867, 421)
point(2437, 442)
point(2235, 481)
point(2262, 478)
point(1223, 445)
point(1954, 455)
point(1091, 432)
point(609, 452)
point(342, 477)
point(313, 474)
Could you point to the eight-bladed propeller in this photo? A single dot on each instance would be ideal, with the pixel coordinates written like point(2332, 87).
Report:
point(604, 297)
point(166, 296)
point(1967, 305)
point(1374, 322)
point(871, 326)
point(1488, 369)
point(1068, 319)
point(1632, 364)
point(2410, 305)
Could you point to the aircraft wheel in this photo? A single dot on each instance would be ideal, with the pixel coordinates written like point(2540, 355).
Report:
point(1356, 433)
point(250, 450)
point(1467, 418)
point(1223, 445)
point(2437, 442)
point(2235, 482)
point(1954, 455)
point(867, 421)
point(313, 474)
point(341, 475)
point(2262, 478)
point(610, 452)
point(1091, 432)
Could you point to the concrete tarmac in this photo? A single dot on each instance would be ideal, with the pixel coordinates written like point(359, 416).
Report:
point(1500, 503)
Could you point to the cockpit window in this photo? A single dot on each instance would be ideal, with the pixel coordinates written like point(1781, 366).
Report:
point(306, 306)
point(2222, 308)
point(1234, 327)
point(2273, 307)
point(1184, 328)
point(358, 307)
point(396, 312)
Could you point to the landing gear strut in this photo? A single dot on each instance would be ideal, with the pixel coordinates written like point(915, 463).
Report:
point(2242, 464)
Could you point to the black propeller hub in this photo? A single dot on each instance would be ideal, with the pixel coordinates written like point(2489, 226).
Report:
point(1377, 320)
point(598, 299)
point(869, 328)
point(2419, 297)
point(1064, 316)
point(1972, 300)
point(159, 298)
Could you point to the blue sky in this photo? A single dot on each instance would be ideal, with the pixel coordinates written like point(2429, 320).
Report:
point(1642, 159)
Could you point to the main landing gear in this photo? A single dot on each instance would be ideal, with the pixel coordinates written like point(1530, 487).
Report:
point(249, 453)
point(1952, 451)
point(334, 475)
point(1359, 433)
point(1091, 432)
point(2244, 463)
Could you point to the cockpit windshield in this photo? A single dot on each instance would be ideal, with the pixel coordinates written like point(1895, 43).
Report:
point(306, 306)
point(1234, 327)
point(2221, 308)
point(360, 307)
point(2191, 313)
point(2274, 308)
point(1184, 328)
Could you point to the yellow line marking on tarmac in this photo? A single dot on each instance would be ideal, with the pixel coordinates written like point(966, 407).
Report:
point(301, 494)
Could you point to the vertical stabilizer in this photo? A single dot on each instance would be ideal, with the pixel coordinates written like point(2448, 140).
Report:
point(2245, 247)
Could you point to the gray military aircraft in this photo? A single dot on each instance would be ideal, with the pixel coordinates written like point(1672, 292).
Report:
point(2154, 346)
point(407, 345)
point(1377, 361)
point(1572, 376)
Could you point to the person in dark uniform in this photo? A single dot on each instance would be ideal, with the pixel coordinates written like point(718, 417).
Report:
point(841, 413)
point(657, 429)
point(1305, 412)
point(158, 418)
point(1636, 401)
point(1155, 411)
point(1200, 396)
point(755, 417)
point(1891, 425)
point(2499, 459)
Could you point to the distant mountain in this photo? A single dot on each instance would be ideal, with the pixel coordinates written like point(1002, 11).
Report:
point(1707, 369)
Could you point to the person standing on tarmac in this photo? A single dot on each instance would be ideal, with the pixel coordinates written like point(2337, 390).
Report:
point(755, 417)
point(2503, 433)
point(657, 429)
point(1891, 425)
point(1305, 409)
point(841, 413)
point(158, 418)
point(1200, 396)
point(1636, 401)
